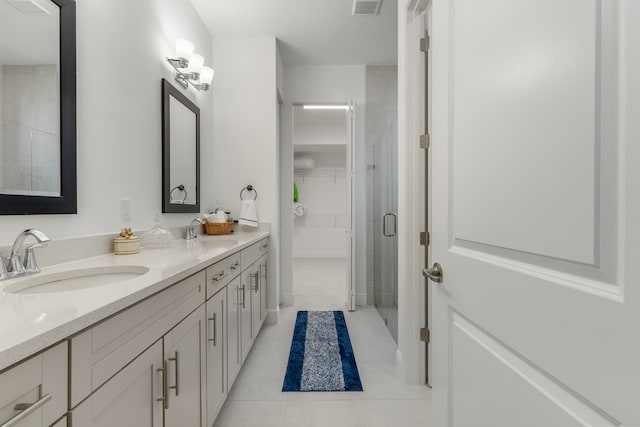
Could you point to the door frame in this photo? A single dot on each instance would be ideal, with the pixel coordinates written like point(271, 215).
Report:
point(286, 198)
point(412, 292)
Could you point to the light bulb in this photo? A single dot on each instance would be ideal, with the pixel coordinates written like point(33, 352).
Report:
point(206, 75)
point(195, 64)
point(184, 49)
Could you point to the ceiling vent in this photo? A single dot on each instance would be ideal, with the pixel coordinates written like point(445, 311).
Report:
point(366, 7)
point(29, 7)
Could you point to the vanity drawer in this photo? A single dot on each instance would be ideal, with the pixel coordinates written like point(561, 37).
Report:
point(100, 352)
point(221, 273)
point(251, 254)
point(40, 381)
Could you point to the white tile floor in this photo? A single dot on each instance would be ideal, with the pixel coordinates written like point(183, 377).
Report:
point(256, 399)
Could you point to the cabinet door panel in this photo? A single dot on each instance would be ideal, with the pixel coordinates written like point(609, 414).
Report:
point(246, 326)
point(263, 287)
point(216, 357)
point(129, 399)
point(256, 297)
point(184, 354)
point(234, 357)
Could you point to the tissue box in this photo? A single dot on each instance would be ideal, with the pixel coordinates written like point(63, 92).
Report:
point(126, 245)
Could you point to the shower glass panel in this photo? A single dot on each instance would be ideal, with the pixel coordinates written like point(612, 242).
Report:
point(385, 243)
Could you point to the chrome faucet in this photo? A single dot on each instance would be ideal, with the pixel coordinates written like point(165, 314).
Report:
point(19, 266)
point(190, 230)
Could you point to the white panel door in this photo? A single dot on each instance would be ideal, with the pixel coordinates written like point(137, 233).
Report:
point(536, 212)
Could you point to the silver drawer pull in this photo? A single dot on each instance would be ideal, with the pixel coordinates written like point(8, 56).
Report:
point(214, 339)
point(176, 387)
point(165, 391)
point(220, 276)
point(255, 288)
point(243, 299)
point(26, 410)
point(236, 265)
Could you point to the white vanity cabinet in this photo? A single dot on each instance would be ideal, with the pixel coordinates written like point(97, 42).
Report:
point(168, 360)
point(152, 350)
point(34, 393)
point(132, 398)
point(160, 387)
point(216, 379)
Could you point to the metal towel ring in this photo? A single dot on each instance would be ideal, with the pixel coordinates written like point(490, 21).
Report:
point(249, 188)
point(181, 188)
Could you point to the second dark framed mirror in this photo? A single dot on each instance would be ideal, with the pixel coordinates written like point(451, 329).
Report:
point(180, 152)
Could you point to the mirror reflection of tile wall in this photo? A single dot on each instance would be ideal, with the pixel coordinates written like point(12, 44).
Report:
point(29, 129)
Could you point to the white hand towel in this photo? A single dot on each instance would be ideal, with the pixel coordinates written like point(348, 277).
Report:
point(248, 213)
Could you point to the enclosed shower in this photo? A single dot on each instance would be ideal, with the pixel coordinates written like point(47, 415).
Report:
point(382, 192)
point(385, 227)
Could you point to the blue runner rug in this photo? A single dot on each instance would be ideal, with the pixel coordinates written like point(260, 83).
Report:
point(321, 357)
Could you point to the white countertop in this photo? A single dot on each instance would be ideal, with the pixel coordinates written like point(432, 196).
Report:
point(30, 323)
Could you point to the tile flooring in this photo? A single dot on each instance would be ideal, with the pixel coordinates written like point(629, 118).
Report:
point(256, 399)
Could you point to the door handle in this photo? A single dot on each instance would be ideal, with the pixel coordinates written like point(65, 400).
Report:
point(434, 274)
point(384, 224)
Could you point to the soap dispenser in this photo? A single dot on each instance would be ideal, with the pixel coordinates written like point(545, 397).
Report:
point(157, 236)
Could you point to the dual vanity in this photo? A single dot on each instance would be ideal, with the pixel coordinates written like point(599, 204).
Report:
point(152, 339)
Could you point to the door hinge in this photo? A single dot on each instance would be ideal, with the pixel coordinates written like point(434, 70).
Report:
point(425, 141)
point(425, 43)
point(425, 335)
point(425, 238)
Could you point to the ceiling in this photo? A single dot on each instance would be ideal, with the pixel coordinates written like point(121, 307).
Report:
point(311, 32)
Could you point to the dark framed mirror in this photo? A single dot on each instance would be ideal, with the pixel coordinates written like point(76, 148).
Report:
point(180, 152)
point(38, 107)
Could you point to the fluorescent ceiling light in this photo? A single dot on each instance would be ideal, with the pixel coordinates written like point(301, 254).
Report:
point(325, 107)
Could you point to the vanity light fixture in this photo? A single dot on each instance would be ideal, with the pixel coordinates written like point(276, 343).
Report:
point(189, 67)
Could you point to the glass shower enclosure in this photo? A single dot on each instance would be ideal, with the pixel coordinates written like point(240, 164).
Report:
point(385, 228)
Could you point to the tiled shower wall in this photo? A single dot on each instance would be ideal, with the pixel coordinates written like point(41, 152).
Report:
point(381, 113)
point(30, 149)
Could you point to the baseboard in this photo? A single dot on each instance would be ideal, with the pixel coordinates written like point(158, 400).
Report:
point(287, 299)
point(273, 316)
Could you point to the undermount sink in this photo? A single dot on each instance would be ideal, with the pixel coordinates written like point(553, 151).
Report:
point(74, 280)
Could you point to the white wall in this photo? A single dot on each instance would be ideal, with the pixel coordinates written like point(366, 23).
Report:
point(322, 84)
point(121, 51)
point(245, 133)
